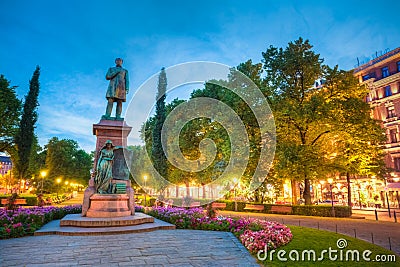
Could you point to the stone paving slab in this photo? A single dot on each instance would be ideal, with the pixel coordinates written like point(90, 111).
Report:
point(54, 228)
point(173, 248)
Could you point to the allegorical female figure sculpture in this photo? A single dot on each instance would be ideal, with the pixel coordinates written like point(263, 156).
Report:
point(104, 173)
point(117, 89)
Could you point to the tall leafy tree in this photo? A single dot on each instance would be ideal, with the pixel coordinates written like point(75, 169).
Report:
point(25, 134)
point(65, 159)
point(358, 138)
point(321, 130)
point(157, 153)
point(10, 107)
point(298, 108)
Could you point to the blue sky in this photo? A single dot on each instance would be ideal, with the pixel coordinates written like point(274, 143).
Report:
point(75, 42)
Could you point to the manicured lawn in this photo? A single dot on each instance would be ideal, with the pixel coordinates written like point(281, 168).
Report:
point(318, 240)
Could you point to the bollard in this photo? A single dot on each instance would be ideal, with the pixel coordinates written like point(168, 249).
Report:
point(390, 244)
point(395, 217)
point(299, 222)
point(336, 228)
point(355, 233)
point(318, 225)
point(376, 214)
point(372, 238)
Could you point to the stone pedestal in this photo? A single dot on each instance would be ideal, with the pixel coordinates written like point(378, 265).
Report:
point(108, 206)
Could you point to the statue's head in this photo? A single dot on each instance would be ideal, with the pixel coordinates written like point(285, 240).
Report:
point(108, 143)
point(118, 61)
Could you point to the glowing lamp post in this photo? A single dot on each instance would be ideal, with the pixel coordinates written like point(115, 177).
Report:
point(58, 184)
point(330, 181)
point(43, 174)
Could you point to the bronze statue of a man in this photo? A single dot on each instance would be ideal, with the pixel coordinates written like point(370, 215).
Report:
point(117, 89)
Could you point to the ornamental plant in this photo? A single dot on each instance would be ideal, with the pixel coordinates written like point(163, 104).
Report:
point(254, 234)
point(25, 221)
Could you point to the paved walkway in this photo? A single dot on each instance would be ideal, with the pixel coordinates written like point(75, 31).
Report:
point(159, 248)
point(383, 214)
point(363, 229)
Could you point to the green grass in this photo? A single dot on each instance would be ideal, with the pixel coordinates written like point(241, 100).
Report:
point(318, 240)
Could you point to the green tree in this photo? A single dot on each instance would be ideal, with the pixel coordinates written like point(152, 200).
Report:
point(313, 120)
point(157, 153)
point(358, 138)
point(25, 135)
point(65, 160)
point(10, 107)
point(299, 110)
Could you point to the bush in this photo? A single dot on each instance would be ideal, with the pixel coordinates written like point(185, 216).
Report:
point(25, 221)
point(31, 200)
point(307, 210)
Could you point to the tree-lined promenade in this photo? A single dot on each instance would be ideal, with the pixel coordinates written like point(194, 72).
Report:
point(323, 127)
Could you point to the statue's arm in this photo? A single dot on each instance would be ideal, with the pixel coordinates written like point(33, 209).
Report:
point(112, 72)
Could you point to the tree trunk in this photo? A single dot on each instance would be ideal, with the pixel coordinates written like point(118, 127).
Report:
point(177, 190)
point(204, 191)
point(348, 189)
point(294, 191)
point(187, 188)
point(307, 192)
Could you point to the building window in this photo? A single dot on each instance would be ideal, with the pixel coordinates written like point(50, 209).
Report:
point(390, 112)
point(388, 91)
point(398, 66)
point(397, 164)
point(385, 72)
point(365, 77)
point(393, 136)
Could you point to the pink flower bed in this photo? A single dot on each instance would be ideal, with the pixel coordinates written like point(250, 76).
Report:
point(253, 233)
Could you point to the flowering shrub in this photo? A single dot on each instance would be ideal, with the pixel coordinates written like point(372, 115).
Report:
point(253, 233)
point(25, 221)
point(139, 208)
point(271, 234)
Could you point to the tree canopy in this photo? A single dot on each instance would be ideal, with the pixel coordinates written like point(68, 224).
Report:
point(10, 107)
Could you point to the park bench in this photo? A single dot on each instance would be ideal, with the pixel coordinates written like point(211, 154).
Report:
point(281, 209)
point(195, 204)
point(254, 207)
point(18, 201)
point(217, 205)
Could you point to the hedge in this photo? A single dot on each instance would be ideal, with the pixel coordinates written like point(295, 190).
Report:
point(307, 210)
point(31, 200)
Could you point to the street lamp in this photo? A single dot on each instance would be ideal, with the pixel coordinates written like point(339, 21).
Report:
point(43, 174)
point(330, 181)
point(145, 179)
point(58, 184)
point(66, 184)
